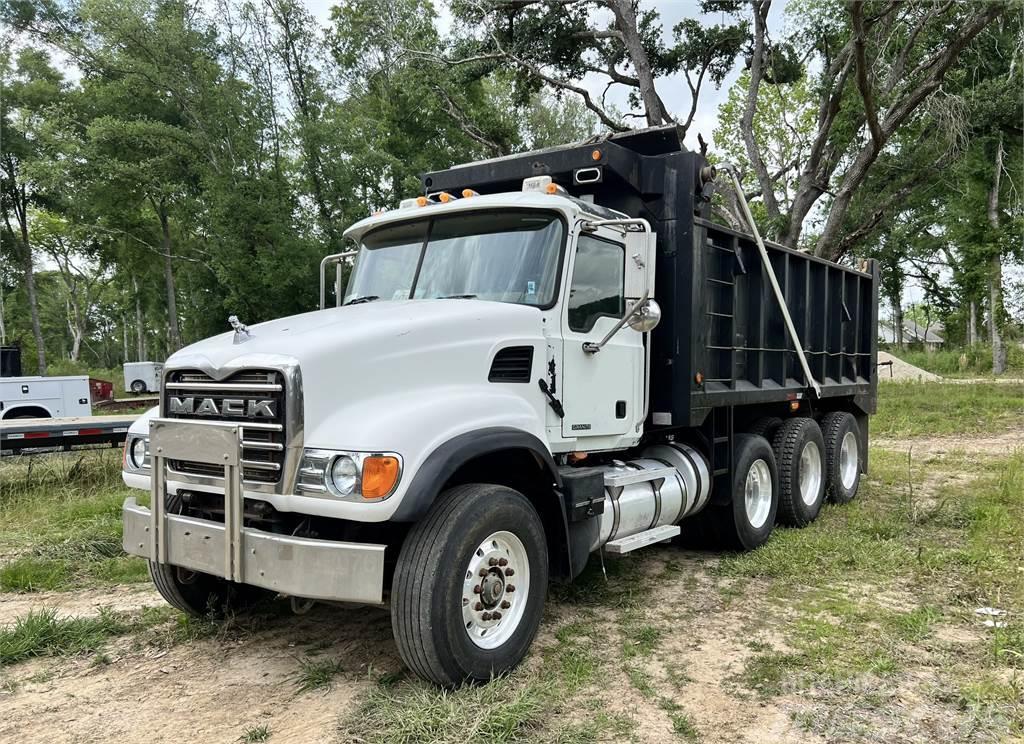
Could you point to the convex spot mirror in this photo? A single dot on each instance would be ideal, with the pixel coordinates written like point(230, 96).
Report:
point(646, 317)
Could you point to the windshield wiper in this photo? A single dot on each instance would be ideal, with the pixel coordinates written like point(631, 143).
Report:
point(358, 300)
point(458, 297)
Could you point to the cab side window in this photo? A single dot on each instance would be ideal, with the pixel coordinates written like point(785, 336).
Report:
point(598, 283)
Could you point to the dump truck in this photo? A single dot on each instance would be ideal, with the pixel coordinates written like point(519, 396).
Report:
point(540, 359)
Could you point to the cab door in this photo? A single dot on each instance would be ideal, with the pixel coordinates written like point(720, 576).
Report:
point(601, 391)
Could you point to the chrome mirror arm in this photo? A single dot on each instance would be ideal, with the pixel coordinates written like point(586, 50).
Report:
point(592, 348)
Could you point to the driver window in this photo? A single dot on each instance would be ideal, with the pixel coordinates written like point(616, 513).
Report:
point(598, 283)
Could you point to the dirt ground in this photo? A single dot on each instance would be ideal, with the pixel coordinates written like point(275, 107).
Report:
point(212, 689)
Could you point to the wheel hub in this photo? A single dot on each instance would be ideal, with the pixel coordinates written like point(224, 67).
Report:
point(492, 605)
point(757, 493)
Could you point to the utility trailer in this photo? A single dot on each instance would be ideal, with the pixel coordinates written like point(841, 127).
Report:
point(545, 356)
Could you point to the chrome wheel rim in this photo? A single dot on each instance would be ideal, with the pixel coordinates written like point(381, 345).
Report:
point(810, 473)
point(757, 493)
point(495, 589)
point(848, 460)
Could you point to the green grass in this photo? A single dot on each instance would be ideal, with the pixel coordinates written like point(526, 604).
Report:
point(934, 408)
point(317, 674)
point(255, 734)
point(62, 523)
point(976, 362)
point(44, 633)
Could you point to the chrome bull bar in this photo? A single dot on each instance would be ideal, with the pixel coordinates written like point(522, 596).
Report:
point(291, 565)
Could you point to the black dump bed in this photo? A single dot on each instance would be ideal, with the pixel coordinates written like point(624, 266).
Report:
point(722, 340)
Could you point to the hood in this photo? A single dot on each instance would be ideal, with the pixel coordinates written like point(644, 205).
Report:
point(373, 353)
point(377, 326)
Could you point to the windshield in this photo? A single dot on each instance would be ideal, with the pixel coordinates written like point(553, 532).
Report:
point(504, 256)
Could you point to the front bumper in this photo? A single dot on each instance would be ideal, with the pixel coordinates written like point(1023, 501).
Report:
point(297, 566)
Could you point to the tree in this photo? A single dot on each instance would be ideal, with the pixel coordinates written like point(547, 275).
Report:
point(29, 89)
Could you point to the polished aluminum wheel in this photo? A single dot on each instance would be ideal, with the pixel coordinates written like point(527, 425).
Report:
point(495, 590)
point(849, 460)
point(810, 473)
point(757, 493)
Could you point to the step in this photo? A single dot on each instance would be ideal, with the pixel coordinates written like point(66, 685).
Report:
point(629, 477)
point(641, 539)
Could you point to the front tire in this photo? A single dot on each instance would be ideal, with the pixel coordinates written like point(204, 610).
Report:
point(138, 386)
point(469, 587)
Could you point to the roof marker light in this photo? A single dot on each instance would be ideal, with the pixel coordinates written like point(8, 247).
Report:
point(444, 197)
point(466, 193)
point(422, 201)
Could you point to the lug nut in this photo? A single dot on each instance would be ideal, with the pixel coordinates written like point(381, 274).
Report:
point(492, 562)
point(510, 588)
point(496, 615)
point(505, 604)
point(478, 606)
point(476, 589)
point(485, 616)
point(483, 572)
point(510, 572)
point(503, 561)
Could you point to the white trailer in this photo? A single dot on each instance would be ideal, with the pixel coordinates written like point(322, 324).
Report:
point(44, 397)
point(142, 377)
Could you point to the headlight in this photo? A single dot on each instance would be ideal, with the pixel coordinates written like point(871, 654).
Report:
point(344, 475)
point(352, 476)
point(137, 453)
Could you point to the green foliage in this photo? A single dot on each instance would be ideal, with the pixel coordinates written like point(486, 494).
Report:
point(45, 633)
point(922, 408)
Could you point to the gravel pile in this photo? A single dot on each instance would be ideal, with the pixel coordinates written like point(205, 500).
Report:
point(901, 371)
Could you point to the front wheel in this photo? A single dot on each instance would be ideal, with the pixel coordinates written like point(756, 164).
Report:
point(469, 587)
point(138, 386)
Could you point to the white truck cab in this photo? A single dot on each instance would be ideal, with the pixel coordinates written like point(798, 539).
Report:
point(472, 416)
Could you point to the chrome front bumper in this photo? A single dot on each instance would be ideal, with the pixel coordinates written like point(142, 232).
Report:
point(296, 566)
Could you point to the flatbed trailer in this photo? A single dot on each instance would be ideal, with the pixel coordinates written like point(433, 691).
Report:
point(42, 435)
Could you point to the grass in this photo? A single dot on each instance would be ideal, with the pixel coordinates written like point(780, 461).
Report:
point(62, 523)
point(44, 633)
point(933, 408)
point(255, 734)
point(976, 362)
point(317, 674)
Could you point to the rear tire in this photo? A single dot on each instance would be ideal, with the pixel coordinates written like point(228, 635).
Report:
point(800, 457)
point(479, 551)
point(138, 386)
point(747, 522)
point(765, 427)
point(842, 456)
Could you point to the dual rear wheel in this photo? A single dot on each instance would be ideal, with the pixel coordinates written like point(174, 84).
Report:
point(783, 471)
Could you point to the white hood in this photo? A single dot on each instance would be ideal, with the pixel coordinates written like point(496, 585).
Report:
point(351, 357)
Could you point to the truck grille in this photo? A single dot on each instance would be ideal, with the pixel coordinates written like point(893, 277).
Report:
point(197, 396)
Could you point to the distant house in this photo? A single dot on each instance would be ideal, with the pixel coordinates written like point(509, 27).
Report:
point(912, 334)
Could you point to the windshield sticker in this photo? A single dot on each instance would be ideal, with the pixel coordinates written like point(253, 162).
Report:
point(531, 288)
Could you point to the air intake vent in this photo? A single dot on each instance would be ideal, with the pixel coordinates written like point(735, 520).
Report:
point(512, 365)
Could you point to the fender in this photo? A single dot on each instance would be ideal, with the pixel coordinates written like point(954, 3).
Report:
point(444, 461)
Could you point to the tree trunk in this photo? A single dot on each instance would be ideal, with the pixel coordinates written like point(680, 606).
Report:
point(972, 325)
point(3, 327)
point(625, 22)
point(995, 274)
point(33, 302)
point(140, 334)
point(173, 331)
point(764, 179)
point(124, 338)
point(897, 321)
point(75, 329)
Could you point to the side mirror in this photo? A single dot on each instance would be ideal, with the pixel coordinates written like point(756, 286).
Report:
point(642, 316)
point(645, 317)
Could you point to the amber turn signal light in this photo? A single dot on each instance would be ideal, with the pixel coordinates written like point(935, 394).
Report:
point(380, 474)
